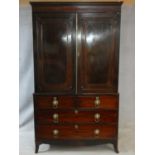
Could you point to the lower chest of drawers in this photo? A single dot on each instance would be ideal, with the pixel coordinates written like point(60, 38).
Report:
point(76, 117)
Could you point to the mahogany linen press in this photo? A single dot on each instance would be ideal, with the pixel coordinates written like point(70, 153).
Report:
point(76, 60)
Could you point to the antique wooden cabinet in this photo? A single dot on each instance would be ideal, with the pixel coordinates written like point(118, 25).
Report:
point(76, 57)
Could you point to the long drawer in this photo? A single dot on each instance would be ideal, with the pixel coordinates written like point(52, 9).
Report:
point(55, 102)
point(49, 132)
point(76, 116)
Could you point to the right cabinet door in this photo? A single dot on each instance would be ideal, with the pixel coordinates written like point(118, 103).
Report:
point(98, 51)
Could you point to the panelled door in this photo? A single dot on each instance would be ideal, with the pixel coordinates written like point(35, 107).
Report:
point(55, 52)
point(76, 52)
point(97, 52)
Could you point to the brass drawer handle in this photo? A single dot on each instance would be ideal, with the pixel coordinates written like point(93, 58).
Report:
point(97, 117)
point(55, 118)
point(76, 111)
point(55, 132)
point(55, 102)
point(76, 126)
point(97, 101)
point(96, 132)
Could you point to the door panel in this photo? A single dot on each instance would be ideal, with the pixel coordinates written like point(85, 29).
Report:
point(97, 53)
point(55, 52)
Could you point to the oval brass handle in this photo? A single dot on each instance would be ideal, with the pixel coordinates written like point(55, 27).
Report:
point(55, 118)
point(76, 111)
point(55, 132)
point(76, 126)
point(97, 117)
point(96, 132)
point(55, 102)
point(97, 101)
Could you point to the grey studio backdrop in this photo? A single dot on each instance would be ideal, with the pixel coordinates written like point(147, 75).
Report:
point(126, 70)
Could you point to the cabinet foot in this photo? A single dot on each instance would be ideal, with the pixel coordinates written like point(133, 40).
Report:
point(116, 147)
point(36, 148)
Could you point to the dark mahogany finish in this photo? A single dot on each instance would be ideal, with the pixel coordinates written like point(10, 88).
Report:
point(97, 57)
point(55, 52)
point(45, 102)
point(82, 116)
point(69, 132)
point(107, 102)
point(76, 55)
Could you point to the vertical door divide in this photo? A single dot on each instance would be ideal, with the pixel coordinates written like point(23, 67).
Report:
point(76, 53)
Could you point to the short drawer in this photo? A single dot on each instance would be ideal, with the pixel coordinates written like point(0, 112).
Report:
point(105, 102)
point(53, 102)
point(76, 131)
point(76, 116)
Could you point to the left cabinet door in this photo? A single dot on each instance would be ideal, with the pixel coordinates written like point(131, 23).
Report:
point(54, 52)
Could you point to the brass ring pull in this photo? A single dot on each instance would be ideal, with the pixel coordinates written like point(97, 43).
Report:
point(55, 118)
point(55, 102)
point(76, 111)
point(96, 132)
point(76, 126)
point(97, 117)
point(55, 132)
point(97, 101)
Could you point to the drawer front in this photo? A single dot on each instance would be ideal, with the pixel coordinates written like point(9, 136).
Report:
point(109, 102)
point(49, 132)
point(53, 102)
point(76, 116)
point(105, 102)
